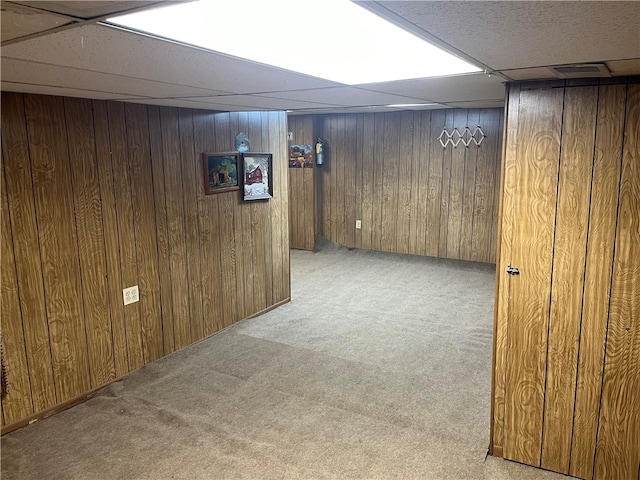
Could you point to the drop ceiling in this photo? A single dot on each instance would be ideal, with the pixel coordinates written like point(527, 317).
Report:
point(66, 48)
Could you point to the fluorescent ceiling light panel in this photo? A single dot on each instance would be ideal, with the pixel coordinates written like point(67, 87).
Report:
point(331, 39)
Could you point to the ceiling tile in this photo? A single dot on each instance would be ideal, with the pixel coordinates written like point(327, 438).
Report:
point(236, 102)
point(446, 89)
point(346, 96)
point(114, 50)
point(91, 9)
point(508, 35)
point(32, 73)
point(61, 91)
point(18, 23)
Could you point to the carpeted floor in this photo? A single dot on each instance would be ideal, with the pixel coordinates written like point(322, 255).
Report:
point(379, 368)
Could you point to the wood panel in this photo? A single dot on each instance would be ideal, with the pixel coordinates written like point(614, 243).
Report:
point(505, 240)
point(101, 196)
point(539, 126)
point(302, 214)
point(618, 443)
point(18, 402)
point(600, 245)
point(572, 219)
point(566, 342)
point(59, 246)
point(126, 231)
point(413, 196)
point(111, 236)
point(88, 218)
point(24, 229)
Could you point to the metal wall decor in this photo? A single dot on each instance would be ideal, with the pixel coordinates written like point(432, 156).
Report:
point(466, 137)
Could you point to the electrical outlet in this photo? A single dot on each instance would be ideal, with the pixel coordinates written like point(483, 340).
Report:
point(131, 295)
point(358, 224)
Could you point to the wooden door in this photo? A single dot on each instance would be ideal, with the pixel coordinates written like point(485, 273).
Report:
point(567, 318)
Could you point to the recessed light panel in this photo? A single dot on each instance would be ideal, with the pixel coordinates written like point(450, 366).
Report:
point(335, 40)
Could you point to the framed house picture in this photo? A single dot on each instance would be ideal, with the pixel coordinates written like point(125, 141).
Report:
point(257, 176)
point(220, 172)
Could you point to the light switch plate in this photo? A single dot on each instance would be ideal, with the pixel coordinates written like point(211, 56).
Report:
point(130, 295)
point(358, 224)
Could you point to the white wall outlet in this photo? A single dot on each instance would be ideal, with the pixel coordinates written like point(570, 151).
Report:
point(131, 295)
point(358, 224)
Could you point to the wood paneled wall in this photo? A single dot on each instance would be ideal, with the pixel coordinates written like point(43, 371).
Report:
point(302, 188)
point(98, 196)
point(566, 386)
point(412, 195)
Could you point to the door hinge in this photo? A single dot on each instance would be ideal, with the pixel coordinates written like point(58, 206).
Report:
point(512, 270)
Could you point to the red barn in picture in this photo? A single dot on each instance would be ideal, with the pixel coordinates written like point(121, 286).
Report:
point(254, 176)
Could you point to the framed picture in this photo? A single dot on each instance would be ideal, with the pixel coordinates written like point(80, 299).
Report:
point(257, 176)
point(300, 156)
point(220, 172)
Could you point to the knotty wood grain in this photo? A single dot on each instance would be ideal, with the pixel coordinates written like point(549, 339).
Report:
point(59, 248)
point(368, 169)
point(350, 175)
point(91, 244)
point(18, 171)
point(378, 186)
point(359, 186)
point(539, 124)
point(600, 246)
point(572, 219)
point(139, 161)
point(111, 238)
point(126, 230)
point(417, 176)
point(17, 403)
point(618, 443)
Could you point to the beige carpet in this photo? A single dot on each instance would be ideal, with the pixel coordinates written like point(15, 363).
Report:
point(379, 368)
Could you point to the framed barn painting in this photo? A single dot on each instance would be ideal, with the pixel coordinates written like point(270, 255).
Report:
point(220, 172)
point(258, 176)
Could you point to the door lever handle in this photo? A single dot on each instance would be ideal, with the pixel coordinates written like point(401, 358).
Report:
point(512, 270)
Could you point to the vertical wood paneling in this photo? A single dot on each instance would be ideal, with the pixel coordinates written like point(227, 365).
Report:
point(58, 241)
point(469, 191)
point(390, 171)
point(190, 173)
point(572, 219)
point(89, 225)
point(102, 195)
point(302, 210)
point(174, 195)
point(17, 168)
point(572, 365)
point(366, 146)
point(208, 220)
point(532, 252)
point(111, 236)
point(486, 188)
point(505, 232)
point(404, 163)
point(434, 196)
point(595, 311)
point(456, 192)
point(618, 443)
point(17, 403)
point(139, 160)
point(126, 231)
point(162, 232)
point(445, 199)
